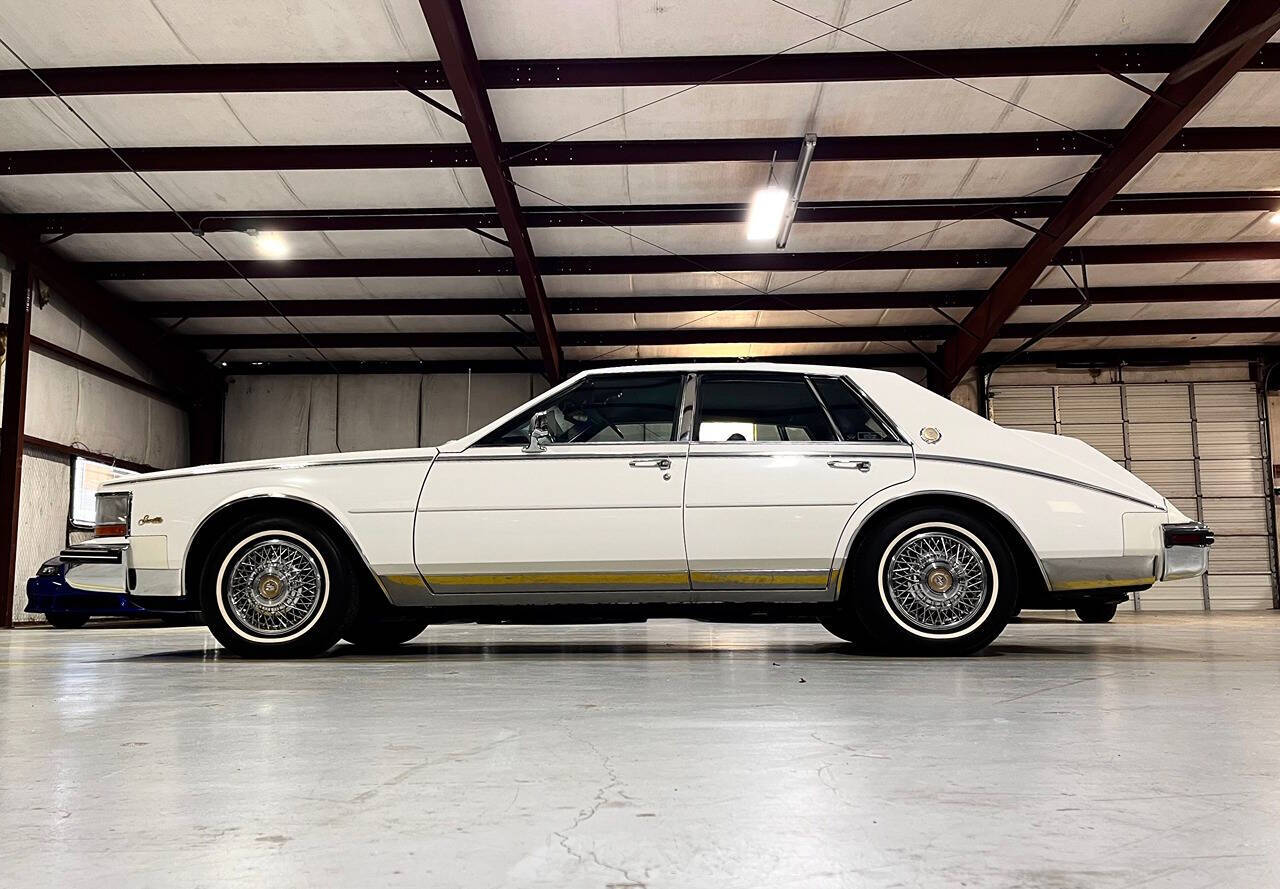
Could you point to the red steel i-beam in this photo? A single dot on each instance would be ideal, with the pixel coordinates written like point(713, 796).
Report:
point(452, 37)
point(801, 67)
point(1241, 29)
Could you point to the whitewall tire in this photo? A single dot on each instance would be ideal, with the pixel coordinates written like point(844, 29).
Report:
point(278, 588)
point(930, 580)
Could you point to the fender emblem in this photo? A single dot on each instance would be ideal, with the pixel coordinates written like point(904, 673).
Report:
point(930, 435)
point(151, 520)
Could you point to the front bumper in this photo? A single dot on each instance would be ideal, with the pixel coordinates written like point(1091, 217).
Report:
point(1186, 550)
point(49, 593)
point(133, 566)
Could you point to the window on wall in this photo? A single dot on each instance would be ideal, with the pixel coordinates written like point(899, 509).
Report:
point(760, 409)
point(86, 477)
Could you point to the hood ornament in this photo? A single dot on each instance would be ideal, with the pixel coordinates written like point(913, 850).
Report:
point(930, 435)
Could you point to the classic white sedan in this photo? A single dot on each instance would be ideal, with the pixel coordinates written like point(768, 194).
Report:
point(898, 519)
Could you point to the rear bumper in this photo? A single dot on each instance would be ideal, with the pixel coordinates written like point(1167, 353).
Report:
point(1186, 550)
point(132, 566)
point(1153, 551)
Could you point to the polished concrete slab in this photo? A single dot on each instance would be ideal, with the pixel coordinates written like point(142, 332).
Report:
point(1141, 753)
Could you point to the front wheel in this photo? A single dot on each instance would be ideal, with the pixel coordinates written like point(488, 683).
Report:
point(1096, 613)
point(930, 581)
point(278, 588)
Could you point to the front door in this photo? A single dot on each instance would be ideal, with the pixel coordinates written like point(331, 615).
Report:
point(596, 516)
point(775, 473)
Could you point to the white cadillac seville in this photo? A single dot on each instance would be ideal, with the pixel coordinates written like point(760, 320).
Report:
point(899, 520)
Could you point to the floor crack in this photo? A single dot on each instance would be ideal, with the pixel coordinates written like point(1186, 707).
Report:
point(611, 787)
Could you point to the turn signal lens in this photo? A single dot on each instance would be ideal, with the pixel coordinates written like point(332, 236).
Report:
point(111, 515)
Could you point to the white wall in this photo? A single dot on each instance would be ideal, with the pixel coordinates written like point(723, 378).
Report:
point(282, 416)
point(77, 408)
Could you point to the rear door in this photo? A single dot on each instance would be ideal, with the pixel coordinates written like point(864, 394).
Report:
point(777, 465)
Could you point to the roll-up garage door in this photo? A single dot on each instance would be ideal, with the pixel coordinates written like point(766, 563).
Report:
point(1198, 443)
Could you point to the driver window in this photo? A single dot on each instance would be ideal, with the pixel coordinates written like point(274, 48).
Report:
point(622, 408)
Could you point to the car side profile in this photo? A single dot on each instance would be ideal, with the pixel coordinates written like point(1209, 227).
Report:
point(899, 520)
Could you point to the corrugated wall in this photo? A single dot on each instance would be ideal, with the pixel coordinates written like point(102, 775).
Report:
point(74, 407)
point(45, 502)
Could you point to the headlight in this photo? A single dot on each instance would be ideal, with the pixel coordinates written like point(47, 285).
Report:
point(111, 515)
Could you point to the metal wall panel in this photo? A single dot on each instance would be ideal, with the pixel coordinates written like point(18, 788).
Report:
point(1089, 404)
point(1024, 407)
point(1231, 402)
point(1173, 478)
point(284, 416)
point(1160, 441)
point(1232, 478)
point(1237, 515)
point(1240, 554)
point(45, 504)
point(1186, 505)
point(1236, 439)
point(1241, 592)
point(1158, 403)
point(1176, 595)
point(377, 411)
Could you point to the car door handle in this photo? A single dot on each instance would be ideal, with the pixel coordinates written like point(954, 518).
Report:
point(653, 463)
point(860, 465)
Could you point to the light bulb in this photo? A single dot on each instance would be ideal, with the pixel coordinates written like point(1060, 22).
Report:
point(765, 216)
point(271, 245)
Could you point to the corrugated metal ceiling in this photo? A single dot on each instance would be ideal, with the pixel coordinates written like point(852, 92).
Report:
point(166, 32)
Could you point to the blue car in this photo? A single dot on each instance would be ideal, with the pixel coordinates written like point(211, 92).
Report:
point(69, 609)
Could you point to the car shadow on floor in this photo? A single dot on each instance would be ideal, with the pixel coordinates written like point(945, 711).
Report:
point(630, 650)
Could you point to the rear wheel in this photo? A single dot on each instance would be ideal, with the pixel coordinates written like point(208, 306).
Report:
point(67, 621)
point(1096, 613)
point(931, 580)
point(278, 588)
point(383, 635)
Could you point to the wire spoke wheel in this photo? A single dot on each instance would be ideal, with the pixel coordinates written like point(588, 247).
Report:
point(273, 586)
point(937, 581)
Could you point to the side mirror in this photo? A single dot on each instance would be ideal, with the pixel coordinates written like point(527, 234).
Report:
point(539, 434)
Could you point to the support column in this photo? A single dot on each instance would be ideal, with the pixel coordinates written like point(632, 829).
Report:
point(12, 422)
point(204, 425)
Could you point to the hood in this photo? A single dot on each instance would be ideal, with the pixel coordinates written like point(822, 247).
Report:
point(397, 455)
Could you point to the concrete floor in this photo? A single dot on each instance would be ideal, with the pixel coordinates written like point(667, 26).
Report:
point(672, 754)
